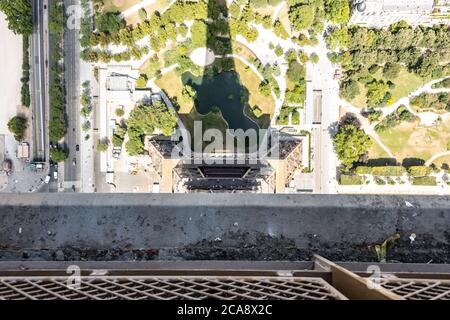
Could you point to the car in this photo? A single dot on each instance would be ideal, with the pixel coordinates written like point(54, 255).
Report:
point(55, 175)
point(77, 147)
point(47, 179)
point(74, 162)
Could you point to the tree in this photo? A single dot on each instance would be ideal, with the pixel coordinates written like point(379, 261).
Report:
point(102, 146)
point(391, 70)
point(350, 144)
point(117, 141)
point(58, 154)
point(17, 126)
point(314, 58)
point(141, 82)
point(279, 51)
point(296, 72)
point(338, 38)
point(119, 112)
point(19, 15)
point(199, 32)
point(142, 14)
point(337, 11)
point(109, 22)
point(188, 95)
point(145, 119)
point(376, 92)
point(301, 16)
point(349, 89)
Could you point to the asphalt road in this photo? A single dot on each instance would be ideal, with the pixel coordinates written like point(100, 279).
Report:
point(38, 83)
point(72, 86)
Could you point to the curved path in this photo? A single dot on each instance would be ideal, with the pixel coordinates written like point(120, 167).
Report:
point(367, 127)
point(426, 118)
point(437, 156)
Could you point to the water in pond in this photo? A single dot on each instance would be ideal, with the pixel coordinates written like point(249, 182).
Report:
point(224, 91)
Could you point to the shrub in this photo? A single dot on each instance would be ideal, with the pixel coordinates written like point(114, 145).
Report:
point(363, 170)
point(279, 51)
point(424, 181)
point(141, 82)
point(120, 112)
point(379, 181)
point(419, 171)
point(351, 180)
point(388, 171)
point(443, 84)
point(102, 146)
point(257, 112)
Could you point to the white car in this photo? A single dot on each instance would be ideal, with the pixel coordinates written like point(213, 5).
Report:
point(55, 175)
point(47, 179)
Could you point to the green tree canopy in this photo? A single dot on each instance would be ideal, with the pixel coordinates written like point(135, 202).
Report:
point(17, 126)
point(391, 70)
point(145, 119)
point(302, 16)
point(337, 11)
point(109, 22)
point(102, 146)
point(58, 154)
point(19, 15)
point(296, 72)
point(350, 144)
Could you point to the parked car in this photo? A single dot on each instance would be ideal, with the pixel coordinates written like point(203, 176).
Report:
point(47, 179)
point(77, 148)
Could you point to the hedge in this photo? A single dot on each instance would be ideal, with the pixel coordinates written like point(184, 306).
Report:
point(363, 170)
point(424, 181)
point(388, 171)
point(351, 180)
point(419, 171)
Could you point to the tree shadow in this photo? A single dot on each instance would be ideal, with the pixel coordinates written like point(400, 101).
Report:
point(410, 162)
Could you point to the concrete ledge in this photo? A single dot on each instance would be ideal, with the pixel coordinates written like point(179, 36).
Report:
point(221, 227)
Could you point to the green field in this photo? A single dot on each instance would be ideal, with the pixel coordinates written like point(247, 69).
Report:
point(410, 140)
point(405, 83)
point(119, 5)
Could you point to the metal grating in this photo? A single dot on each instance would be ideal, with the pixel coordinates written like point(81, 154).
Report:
point(168, 288)
point(418, 289)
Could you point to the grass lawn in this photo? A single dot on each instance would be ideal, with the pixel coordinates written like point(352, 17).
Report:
point(376, 152)
point(439, 161)
point(150, 67)
point(119, 5)
point(157, 6)
point(410, 140)
point(172, 86)
point(251, 81)
point(405, 83)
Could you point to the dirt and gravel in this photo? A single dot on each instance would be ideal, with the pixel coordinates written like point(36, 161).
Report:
point(63, 227)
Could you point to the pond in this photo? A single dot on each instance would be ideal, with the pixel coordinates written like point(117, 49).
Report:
point(225, 92)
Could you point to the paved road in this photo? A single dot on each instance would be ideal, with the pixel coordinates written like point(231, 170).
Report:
point(72, 85)
point(38, 67)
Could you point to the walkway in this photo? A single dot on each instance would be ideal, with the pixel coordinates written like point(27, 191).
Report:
point(426, 118)
point(437, 156)
point(136, 8)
